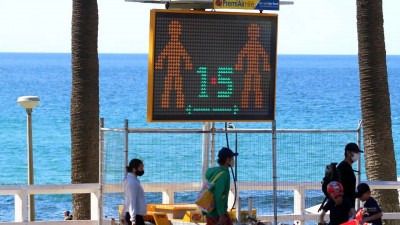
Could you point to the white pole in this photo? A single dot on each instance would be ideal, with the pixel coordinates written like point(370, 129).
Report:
point(250, 207)
point(29, 102)
point(238, 211)
point(31, 199)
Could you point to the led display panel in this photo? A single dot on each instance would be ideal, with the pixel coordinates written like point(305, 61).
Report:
point(212, 66)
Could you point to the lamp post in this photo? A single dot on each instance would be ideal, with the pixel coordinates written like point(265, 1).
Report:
point(29, 102)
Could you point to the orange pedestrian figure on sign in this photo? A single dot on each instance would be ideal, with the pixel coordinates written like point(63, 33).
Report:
point(173, 52)
point(253, 50)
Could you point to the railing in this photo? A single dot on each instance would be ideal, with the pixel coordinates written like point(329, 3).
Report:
point(21, 193)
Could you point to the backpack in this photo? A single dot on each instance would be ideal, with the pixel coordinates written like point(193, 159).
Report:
point(331, 174)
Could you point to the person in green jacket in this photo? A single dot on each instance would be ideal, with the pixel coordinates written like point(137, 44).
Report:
point(221, 188)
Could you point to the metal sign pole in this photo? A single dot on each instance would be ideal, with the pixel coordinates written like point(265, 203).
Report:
point(206, 148)
point(359, 161)
point(126, 146)
point(101, 171)
point(274, 176)
point(212, 144)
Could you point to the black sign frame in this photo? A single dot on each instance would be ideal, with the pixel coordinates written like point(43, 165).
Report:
point(212, 66)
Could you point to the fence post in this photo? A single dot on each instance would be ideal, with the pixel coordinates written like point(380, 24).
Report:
point(274, 176)
point(94, 205)
point(20, 206)
point(126, 146)
point(238, 211)
point(168, 197)
point(359, 161)
point(212, 144)
point(299, 203)
point(101, 171)
point(206, 148)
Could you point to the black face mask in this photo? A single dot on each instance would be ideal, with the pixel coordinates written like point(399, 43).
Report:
point(139, 173)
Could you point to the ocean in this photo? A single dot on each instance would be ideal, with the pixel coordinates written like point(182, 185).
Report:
point(313, 92)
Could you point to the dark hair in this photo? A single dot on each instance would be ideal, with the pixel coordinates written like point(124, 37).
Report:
point(221, 160)
point(346, 151)
point(352, 147)
point(224, 154)
point(134, 163)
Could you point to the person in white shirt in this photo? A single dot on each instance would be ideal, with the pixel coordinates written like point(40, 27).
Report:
point(135, 203)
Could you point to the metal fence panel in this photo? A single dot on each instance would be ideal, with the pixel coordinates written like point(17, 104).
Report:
point(174, 157)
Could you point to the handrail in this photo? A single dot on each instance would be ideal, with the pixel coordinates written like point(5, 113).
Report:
point(49, 188)
point(168, 189)
point(236, 130)
point(21, 192)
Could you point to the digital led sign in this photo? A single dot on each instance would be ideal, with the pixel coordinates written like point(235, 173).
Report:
point(212, 66)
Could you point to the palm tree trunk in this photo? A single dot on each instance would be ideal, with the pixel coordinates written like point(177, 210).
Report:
point(84, 102)
point(375, 102)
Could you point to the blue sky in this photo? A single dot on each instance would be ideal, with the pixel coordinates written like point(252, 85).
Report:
point(307, 27)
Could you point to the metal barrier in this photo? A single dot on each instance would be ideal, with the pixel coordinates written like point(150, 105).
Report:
point(271, 157)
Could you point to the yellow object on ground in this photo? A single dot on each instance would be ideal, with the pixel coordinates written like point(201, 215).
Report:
point(161, 218)
point(173, 211)
point(192, 216)
point(243, 215)
point(120, 208)
point(149, 217)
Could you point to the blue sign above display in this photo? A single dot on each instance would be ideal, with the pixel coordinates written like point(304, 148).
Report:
point(267, 5)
